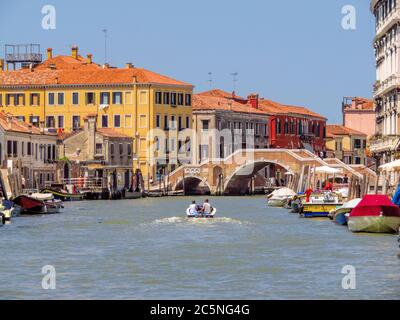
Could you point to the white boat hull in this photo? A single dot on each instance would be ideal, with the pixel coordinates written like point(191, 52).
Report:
point(276, 202)
point(374, 224)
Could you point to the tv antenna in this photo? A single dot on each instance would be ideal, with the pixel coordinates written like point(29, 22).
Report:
point(210, 80)
point(105, 31)
point(234, 79)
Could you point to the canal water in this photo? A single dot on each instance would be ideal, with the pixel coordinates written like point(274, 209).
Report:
point(146, 249)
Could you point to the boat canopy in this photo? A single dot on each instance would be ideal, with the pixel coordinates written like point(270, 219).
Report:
point(42, 196)
point(391, 166)
point(284, 192)
point(375, 205)
point(328, 170)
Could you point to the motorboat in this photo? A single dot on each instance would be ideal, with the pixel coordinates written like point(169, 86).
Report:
point(375, 214)
point(38, 203)
point(201, 215)
point(341, 215)
point(279, 197)
point(63, 195)
point(320, 204)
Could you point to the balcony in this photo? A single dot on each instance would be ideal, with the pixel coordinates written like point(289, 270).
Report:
point(390, 83)
point(384, 143)
point(390, 20)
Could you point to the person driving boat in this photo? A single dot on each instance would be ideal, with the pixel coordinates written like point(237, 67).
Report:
point(193, 208)
point(206, 207)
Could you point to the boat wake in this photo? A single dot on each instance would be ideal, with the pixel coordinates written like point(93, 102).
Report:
point(192, 221)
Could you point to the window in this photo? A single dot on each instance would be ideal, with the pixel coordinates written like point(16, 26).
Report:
point(104, 98)
point(286, 127)
point(75, 98)
point(173, 122)
point(1, 100)
point(9, 149)
point(121, 149)
point(51, 99)
point(117, 121)
point(90, 99)
point(112, 149)
point(166, 124)
point(143, 97)
point(99, 149)
point(19, 99)
point(128, 121)
point(34, 120)
point(180, 99)
point(128, 97)
point(278, 126)
point(188, 99)
point(76, 122)
point(29, 148)
point(61, 122)
point(166, 97)
point(104, 121)
point(142, 121)
point(117, 97)
point(187, 122)
point(205, 125)
point(50, 122)
point(357, 144)
point(179, 123)
point(21, 118)
point(15, 148)
point(60, 99)
point(173, 99)
point(129, 149)
point(158, 121)
point(34, 99)
point(158, 97)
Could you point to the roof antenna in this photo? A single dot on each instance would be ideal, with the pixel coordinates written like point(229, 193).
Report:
point(105, 45)
point(210, 80)
point(234, 79)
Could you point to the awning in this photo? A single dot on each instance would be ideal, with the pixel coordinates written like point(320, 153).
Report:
point(328, 170)
point(308, 147)
point(391, 166)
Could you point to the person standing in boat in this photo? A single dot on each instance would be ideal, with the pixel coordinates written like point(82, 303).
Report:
point(328, 186)
point(206, 207)
point(308, 193)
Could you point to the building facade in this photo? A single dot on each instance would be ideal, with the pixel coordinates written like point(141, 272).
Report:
point(28, 148)
point(386, 142)
point(224, 123)
point(359, 114)
point(100, 155)
point(346, 144)
point(63, 90)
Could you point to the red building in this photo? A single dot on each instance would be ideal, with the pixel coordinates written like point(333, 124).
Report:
point(292, 127)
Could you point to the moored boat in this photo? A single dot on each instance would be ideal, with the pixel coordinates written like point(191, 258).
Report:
point(341, 215)
point(375, 214)
point(278, 198)
point(62, 194)
point(38, 203)
point(320, 204)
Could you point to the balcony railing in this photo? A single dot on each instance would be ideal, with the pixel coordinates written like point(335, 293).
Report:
point(386, 85)
point(391, 19)
point(384, 143)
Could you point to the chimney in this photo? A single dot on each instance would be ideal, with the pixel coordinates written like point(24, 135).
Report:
point(9, 121)
point(253, 100)
point(90, 58)
point(90, 129)
point(1, 64)
point(74, 52)
point(106, 66)
point(129, 65)
point(49, 53)
point(41, 126)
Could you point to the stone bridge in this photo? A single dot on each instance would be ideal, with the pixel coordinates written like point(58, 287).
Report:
point(241, 171)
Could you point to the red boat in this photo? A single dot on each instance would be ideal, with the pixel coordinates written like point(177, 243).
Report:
point(375, 213)
point(30, 205)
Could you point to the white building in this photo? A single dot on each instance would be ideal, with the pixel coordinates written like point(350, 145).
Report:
point(386, 143)
point(31, 148)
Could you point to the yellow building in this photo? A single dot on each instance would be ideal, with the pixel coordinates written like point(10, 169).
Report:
point(345, 144)
point(61, 91)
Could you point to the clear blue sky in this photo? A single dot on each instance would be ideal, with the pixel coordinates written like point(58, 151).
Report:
point(292, 51)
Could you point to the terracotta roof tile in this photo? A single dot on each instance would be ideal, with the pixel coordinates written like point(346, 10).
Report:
point(339, 130)
point(16, 125)
point(69, 71)
point(111, 133)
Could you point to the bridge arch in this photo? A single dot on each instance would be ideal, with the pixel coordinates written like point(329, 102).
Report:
point(193, 185)
point(238, 181)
